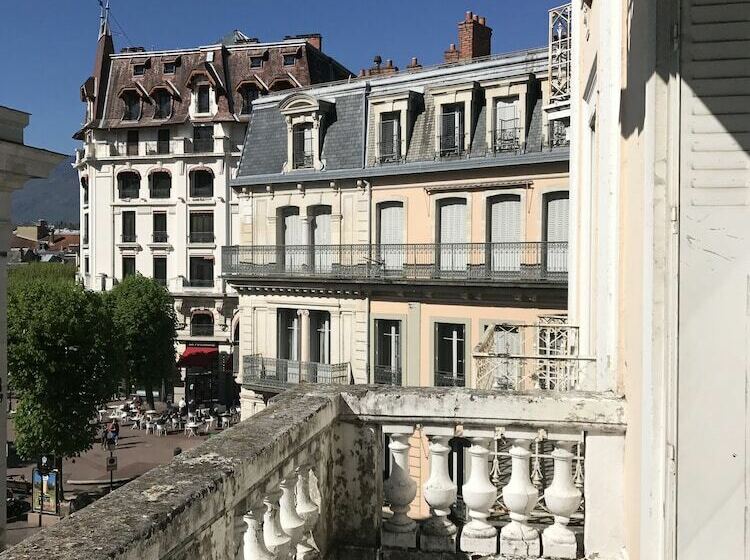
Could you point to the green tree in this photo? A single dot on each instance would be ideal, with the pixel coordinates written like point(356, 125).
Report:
point(144, 320)
point(59, 362)
point(20, 275)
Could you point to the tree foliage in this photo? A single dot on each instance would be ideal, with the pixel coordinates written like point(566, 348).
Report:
point(19, 276)
point(59, 361)
point(144, 320)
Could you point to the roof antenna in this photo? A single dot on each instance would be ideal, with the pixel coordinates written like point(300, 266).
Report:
point(104, 19)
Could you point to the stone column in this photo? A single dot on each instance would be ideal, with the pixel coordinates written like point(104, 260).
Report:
point(308, 511)
point(304, 335)
point(291, 523)
point(478, 536)
point(276, 541)
point(518, 538)
point(562, 499)
point(400, 490)
point(252, 545)
point(438, 533)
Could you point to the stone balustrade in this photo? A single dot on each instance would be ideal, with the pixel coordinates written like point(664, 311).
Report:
point(359, 471)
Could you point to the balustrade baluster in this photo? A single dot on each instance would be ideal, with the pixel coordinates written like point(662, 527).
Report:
point(400, 490)
point(277, 542)
point(520, 496)
point(562, 499)
point(291, 523)
point(479, 494)
point(252, 545)
point(438, 533)
point(307, 510)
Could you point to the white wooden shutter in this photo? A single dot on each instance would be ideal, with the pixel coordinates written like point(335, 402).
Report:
point(556, 232)
point(505, 232)
point(505, 113)
point(293, 238)
point(453, 231)
point(714, 227)
point(322, 240)
point(391, 235)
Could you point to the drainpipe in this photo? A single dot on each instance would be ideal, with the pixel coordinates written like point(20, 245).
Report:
point(362, 183)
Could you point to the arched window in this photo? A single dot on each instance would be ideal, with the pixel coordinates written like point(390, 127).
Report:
point(248, 94)
point(201, 324)
point(162, 104)
point(128, 184)
point(132, 106)
point(201, 183)
point(160, 184)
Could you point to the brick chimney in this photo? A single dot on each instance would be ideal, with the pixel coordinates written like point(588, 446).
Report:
point(315, 39)
point(378, 69)
point(474, 39)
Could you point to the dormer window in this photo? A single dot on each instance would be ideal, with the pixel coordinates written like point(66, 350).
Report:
point(507, 130)
point(389, 148)
point(169, 67)
point(139, 69)
point(303, 146)
point(256, 62)
point(290, 59)
point(452, 129)
point(203, 99)
point(248, 93)
point(132, 102)
point(162, 104)
point(305, 120)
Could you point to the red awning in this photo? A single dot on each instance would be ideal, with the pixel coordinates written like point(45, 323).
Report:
point(198, 356)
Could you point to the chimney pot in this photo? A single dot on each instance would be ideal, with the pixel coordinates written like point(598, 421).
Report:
point(389, 63)
point(482, 20)
point(476, 18)
point(469, 16)
point(377, 60)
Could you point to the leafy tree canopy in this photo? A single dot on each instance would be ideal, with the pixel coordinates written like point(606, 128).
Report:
point(59, 361)
point(21, 275)
point(145, 323)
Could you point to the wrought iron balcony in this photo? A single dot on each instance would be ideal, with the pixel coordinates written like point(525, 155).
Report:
point(198, 283)
point(201, 330)
point(557, 134)
point(450, 379)
point(452, 145)
point(160, 237)
point(542, 356)
point(199, 145)
point(202, 237)
point(441, 262)
point(386, 375)
point(389, 151)
point(508, 136)
point(278, 373)
point(161, 147)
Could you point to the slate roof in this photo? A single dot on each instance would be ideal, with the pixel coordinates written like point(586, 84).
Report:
point(344, 150)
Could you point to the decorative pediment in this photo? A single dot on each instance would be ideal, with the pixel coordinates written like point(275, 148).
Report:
point(302, 103)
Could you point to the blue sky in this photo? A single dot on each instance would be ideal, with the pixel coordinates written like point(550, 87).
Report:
point(49, 44)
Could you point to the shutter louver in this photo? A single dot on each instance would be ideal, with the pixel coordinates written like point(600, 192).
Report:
point(556, 233)
point(453, 235)
point(505, 233)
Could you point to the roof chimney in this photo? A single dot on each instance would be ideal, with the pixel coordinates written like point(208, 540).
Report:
point(474, 39)
point(414, 64)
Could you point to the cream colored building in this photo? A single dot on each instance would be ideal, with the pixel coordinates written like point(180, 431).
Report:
point(386, 223)
point(18, 163)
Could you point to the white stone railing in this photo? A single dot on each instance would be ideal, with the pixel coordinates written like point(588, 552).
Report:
point(304, 479)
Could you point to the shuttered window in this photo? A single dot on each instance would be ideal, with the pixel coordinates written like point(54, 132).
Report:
point(504, 229)
point(452, 130)
point(506, 124)
point(390, 137)
point(556, 231)
point(453, 234)
point(391, 235)
point(128, 227)
point(293, 239)
point(321, 238)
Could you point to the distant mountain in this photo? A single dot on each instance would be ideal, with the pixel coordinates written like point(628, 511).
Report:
point(54, 199)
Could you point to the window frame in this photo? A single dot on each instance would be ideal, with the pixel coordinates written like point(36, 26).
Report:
point(153, 192)
point(168, 64)
point(307, 161)
point(128, 259)
point(204, 234)
point(289, 56)
point(192, 186)
point(128, 226)
point(132, 95)
point(464, 359)
point(160, 94)
point(156, 234)
point(199, 88)
point(160, 259)
point(193, 267)
point(139, 69)
point(136, 181)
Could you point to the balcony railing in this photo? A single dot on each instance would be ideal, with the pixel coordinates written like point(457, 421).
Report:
point(160, 237)
point(543, 356)
point(202, 237)
point(389, 152)
point(128, 238)
point(452, 145)
point(465, 262)
point(325, 472)
point(449, 379)
point(161, 147)
point(199, 145)
point(386, 375)
point(557, 134)
point(508, 136)
point(278, 373)
point(198, 283)
point(303, 160)
point(201, 330)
